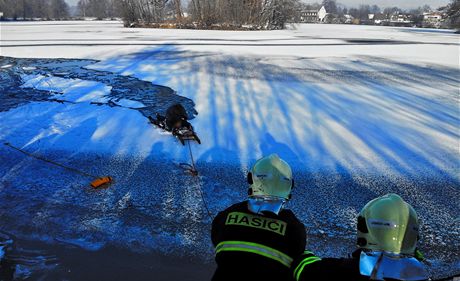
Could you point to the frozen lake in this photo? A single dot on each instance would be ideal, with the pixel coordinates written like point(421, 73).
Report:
point(358, 111)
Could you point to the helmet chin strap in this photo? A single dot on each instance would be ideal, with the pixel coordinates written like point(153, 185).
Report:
point(376, 268)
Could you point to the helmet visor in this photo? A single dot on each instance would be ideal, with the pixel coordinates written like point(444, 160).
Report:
point(391, 266)
point(259, 204)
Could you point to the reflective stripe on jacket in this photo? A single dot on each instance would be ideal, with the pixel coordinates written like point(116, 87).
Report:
point(255, 249)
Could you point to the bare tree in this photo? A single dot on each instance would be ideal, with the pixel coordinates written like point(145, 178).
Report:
point(330, 6)
point(59, 9)
point(390, 11)
point(12, 8)
point(453, 13)
point(275, 13)
point(27, 9)
point(43, 9)
point(82, 7)
point(375, 9)
point(269, 14)
point(195, 10)
point(178, 8)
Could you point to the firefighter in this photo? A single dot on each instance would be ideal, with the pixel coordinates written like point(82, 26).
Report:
point(388, 230)
point(258, 238)
point(175, 118)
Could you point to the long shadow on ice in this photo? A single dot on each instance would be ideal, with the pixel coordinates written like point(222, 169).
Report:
point(365, 127)
point(351, 131)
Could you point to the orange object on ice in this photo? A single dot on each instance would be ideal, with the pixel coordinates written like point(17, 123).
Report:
point(101, 181)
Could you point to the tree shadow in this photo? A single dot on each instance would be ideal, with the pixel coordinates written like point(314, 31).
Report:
point(351, 132)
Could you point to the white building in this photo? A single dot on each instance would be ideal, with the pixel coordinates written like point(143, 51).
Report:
point(322, 14)
point(432, 19)
point(313, 16)
point(309, 16)
point(348, 18)
point(398, 19)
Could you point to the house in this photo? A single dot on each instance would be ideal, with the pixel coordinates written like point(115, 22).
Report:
point(348, 19)
point(398, 19)
point(309, 16)
point(369, 20)
point(379, 19)
point(433, 19)
point(433, 16)
point(313, 16)
point(322, 13)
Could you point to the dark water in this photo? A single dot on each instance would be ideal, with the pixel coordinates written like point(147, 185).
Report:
point(156, 98)
point(35, 260)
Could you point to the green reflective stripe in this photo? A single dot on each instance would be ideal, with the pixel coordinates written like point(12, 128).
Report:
point(302, 264)
point(308, 253)
point(256, 249)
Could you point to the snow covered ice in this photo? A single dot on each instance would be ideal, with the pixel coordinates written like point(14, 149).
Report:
point(358, 112)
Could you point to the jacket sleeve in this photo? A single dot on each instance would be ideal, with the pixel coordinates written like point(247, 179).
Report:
point(307, 266)
point(310, 267)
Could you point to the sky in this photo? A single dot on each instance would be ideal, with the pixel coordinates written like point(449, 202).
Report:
point(72, 2)
point(405, 4)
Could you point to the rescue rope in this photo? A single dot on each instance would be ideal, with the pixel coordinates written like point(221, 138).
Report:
point(192, 169)
point(198, 184)
point(49, 161)
point(204, 202)
point(98, 182)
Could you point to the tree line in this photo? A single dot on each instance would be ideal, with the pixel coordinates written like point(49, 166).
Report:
point(259, 14)
point(262, 14)
point(99, 8)
point(453, 11)
point(266, 14)
point(29, 9)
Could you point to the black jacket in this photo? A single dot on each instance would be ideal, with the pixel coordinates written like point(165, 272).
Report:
point(175, 114)
point(308, 267)
point(255, 247)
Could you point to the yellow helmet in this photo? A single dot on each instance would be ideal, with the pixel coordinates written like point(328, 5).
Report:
point(388, 224)
point(271, 176)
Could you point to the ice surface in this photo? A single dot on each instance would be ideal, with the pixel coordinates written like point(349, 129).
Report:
point(358, 111)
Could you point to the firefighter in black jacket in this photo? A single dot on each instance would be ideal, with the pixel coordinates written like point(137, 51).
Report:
point(388, 231)
point(257, 239)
